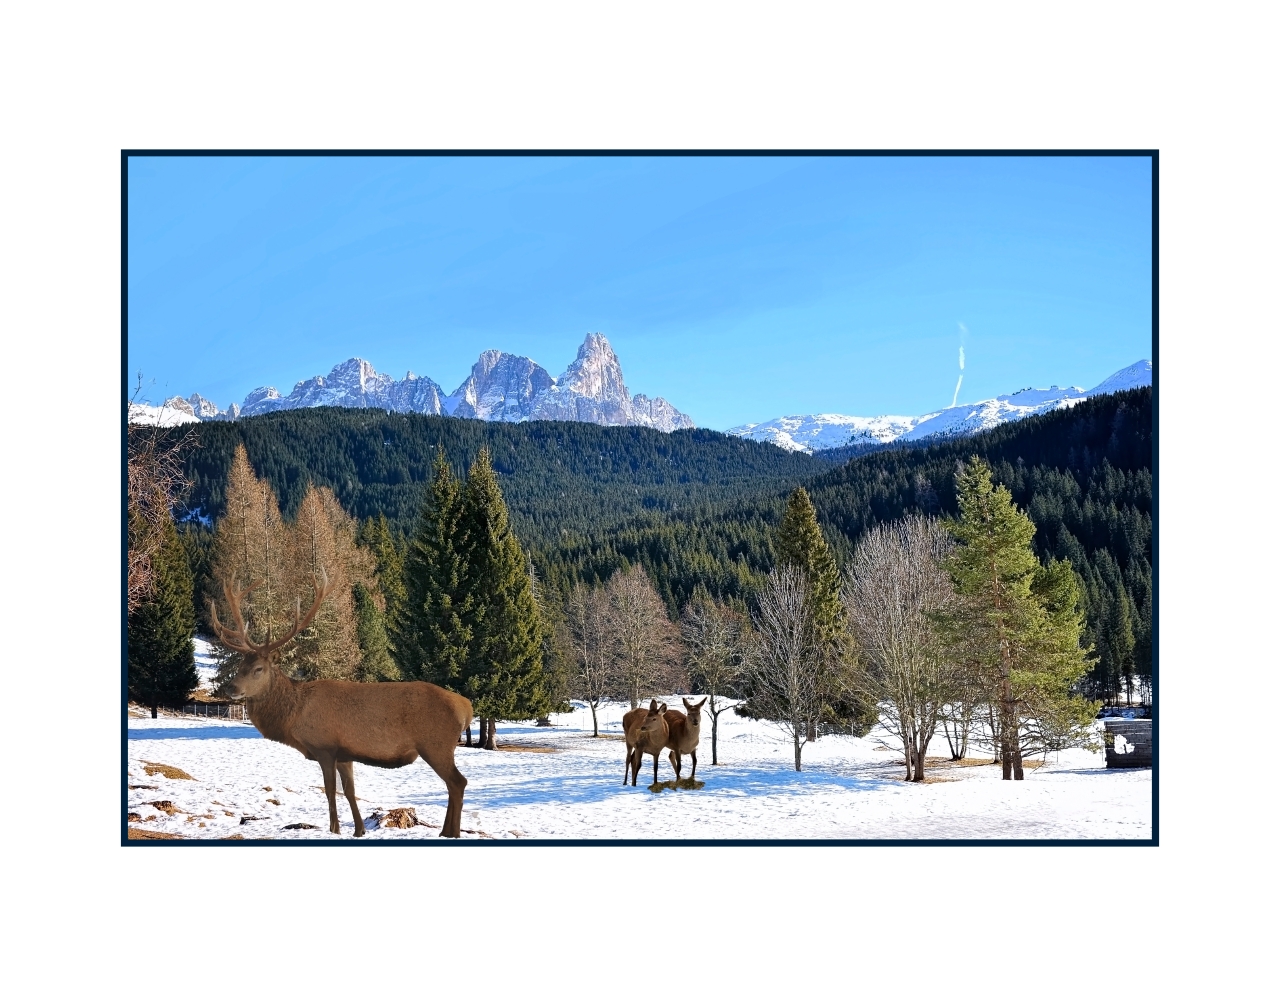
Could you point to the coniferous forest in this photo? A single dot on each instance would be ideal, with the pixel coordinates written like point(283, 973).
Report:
point(698, 510)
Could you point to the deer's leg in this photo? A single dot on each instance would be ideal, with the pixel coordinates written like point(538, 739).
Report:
point(329, 770)
point(674, 758)
point(656, 757)
point(349, 790)
point(694, 773)
point(455, 782)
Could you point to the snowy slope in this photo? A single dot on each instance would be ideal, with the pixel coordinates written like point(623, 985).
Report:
point(807, 433)
point(164, 415)
point(563, 783)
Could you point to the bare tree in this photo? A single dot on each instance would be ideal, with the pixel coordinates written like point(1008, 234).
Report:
point(155, 481)
point(717, 642)
point(645, 641)
point(786, 672)
point(893, 586)
point(591, 636)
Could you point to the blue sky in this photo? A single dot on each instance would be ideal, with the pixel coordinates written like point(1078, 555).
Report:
point(739, 288)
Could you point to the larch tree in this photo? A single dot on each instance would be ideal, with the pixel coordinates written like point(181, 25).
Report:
point(894, 587)
point(717, 642)
point(251, 547)
point(1017, 622)
point(502, 667)
point(161, 655)
point(645, 641)
point(323, 545)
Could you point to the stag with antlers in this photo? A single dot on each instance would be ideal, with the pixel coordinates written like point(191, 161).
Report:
point(336, 723)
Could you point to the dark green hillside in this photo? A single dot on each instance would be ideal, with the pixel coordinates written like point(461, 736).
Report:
point(697, 508)
point(560, 479)
point(1083, 475)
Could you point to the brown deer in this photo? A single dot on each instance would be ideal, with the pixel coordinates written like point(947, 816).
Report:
point(646, 732)
point(387, 724)
point(682, 734)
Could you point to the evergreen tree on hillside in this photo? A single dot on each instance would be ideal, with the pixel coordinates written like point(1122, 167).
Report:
point(376, 663)
point(375, 536)
point(799, 543)
point(502, 668)
point(432, 629)
point(1017, 622)
point(161, 658)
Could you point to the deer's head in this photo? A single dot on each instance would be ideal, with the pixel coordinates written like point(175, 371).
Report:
point(694, 709)
point(655, 723)
point(253, 676)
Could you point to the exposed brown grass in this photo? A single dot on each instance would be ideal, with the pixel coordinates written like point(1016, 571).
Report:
point(973, 762)
point(169, 771)
point(682, 784)
point(166, 806)
point(523, 749)
point(136, 833)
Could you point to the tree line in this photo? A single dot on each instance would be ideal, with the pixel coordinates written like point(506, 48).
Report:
point(1083, 477)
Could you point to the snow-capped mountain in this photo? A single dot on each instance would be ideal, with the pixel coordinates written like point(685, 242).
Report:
point(807, 433)
point(502, 387)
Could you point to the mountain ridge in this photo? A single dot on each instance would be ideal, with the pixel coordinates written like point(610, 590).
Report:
point(501, 387)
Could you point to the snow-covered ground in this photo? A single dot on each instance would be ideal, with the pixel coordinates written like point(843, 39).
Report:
point(562, 783)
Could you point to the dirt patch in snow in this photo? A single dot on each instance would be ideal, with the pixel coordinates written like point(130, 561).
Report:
point(168, 770)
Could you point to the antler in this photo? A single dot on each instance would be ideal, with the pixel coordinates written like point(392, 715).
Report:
point(234, 638)
point(237, 637)
point(301, 622)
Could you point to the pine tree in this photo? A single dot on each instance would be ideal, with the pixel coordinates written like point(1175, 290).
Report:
point(1018, 622)
point(161, 659)
point(502, 668)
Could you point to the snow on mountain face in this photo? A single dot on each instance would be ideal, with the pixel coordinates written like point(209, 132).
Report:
point(807, 433)
point(502, 387)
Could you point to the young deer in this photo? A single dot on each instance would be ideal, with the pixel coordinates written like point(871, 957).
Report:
point(682, 734)
point(336, 723)
point(646, 732)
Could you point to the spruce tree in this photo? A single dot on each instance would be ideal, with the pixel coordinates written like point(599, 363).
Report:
point(798, 542)
point(375, 536)
point(502, 669)
point(161, 659)
point(371, 632)
point(432, 629)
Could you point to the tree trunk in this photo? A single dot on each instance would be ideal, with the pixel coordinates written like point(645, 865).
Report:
point(799, 746)
point(490, 742)
point(715, 721)
point(811, 731)
point(153, 706)
point(919, 750)
point(1017, 762)
point(468, 734)
point(595, 723)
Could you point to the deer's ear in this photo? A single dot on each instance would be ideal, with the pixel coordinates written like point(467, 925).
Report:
point(662, 707)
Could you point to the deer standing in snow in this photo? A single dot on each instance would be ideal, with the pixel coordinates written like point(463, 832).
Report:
point(646, 733)
point(682, 734)
point(335, 723)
